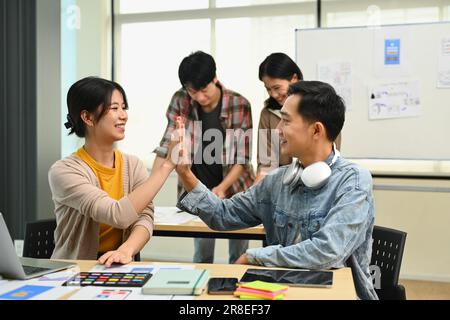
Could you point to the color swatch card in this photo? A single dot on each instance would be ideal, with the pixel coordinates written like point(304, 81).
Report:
point(109, 279)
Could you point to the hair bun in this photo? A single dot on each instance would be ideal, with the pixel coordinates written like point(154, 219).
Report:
point(69, 123)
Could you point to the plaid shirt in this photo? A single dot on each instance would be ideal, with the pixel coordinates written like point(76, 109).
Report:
point(236, 114)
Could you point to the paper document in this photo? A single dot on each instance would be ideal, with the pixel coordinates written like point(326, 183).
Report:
point(56, 278)
point(172, 215)
point(24, 292)
point(137, 268)
point(127, 268)
point(102, 293)
point(32, 290)
point(392, 52)
point(339, 75)
point(443, 79)
point(57, 293)
point(394, 100)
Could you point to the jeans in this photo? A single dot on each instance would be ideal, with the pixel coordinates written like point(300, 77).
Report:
point(204, 249)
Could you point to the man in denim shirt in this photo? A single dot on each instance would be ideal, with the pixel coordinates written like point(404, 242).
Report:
point(321, 227)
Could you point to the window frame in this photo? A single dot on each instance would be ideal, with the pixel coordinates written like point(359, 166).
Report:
point(409, 168)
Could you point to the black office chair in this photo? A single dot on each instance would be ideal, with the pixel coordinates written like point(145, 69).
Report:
point(39, 240)
point(387, 253)
point(137, 257)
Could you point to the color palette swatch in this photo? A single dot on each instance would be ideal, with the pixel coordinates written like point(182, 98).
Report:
point(108, 279)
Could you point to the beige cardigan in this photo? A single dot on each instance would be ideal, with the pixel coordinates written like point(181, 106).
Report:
point(269, 120)
point(80, 206)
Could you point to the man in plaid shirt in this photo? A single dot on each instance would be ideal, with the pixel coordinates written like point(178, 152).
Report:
point(218, 130)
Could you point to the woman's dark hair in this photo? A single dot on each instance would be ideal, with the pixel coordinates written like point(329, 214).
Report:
point(278, 66)
point(320, 102)
point(197, 70)
point(92, 94)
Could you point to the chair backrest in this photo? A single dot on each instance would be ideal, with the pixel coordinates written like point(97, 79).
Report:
point(39, 239)
point(387, 252)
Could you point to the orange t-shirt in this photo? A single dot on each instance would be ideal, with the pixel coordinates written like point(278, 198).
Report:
point(111, 182)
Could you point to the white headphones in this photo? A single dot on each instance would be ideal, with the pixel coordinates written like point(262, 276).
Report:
point(313, 176)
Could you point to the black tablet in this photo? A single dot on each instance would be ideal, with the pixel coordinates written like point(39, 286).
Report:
point(294, 278)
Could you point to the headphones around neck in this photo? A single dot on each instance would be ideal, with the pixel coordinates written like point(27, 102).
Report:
point(313, 176)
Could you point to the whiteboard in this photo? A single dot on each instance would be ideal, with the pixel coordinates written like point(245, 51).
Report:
point(424, 136)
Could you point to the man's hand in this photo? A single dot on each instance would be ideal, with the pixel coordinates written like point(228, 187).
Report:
point(218, 191)
point(116, 256)
point(172, 154)
point(242, 260)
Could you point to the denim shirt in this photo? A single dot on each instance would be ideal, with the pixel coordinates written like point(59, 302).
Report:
point(329, 227)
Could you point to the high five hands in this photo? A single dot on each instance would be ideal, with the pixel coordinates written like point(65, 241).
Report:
point(178, 154)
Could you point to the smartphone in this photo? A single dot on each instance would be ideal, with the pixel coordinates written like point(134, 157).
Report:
point(222, 285)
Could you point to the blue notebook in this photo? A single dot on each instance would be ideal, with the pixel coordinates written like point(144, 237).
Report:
point(176, 281)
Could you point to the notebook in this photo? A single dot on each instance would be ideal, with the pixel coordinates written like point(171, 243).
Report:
point(177, 282)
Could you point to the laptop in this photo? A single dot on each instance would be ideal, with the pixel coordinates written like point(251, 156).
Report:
point(14, 267)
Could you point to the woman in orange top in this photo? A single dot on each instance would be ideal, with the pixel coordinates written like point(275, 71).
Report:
point(103, 197)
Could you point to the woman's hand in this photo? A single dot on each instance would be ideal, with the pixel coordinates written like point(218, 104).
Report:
point(116, 256)
point(178, 154)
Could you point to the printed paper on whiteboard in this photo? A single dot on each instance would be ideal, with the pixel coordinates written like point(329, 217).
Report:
point(339, 75)
point(391, 53)
point(443, 79)
point(394, 100)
